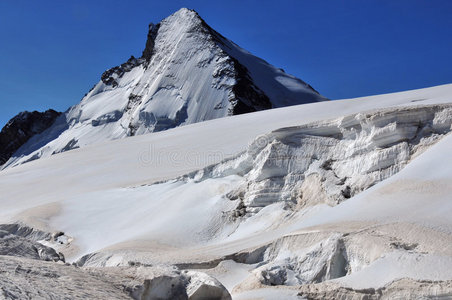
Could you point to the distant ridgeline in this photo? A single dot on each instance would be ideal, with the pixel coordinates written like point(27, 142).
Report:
point(21, 128)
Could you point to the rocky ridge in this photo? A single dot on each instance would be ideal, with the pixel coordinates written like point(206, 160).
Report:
point(21, 128)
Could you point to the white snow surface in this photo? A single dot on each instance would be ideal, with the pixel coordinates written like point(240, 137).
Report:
point(190, 78)
point(113, 198)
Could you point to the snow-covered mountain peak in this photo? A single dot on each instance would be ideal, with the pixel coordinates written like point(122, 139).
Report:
point(187, 73)
point(184, 17)
point(181, 22)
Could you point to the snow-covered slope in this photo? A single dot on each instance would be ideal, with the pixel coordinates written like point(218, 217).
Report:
point(349, 195)
point(188, 73)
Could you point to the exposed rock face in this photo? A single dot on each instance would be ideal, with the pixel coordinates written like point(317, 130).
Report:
point(110, 76)
point(249, 97)
point(21, 128)
point(149, 49)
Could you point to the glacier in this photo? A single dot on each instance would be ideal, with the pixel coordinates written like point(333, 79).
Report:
point(199, 171)
point(347, 197)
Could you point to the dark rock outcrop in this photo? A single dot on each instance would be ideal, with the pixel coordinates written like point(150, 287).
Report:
point(21, 128)
point(248, 97)
point(149, 49)
point(109, 77)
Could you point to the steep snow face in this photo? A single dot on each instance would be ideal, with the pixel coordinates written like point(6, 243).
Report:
point(188, 73)
point(331, 161)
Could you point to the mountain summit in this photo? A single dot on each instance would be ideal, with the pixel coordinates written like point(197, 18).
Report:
point(187, 73)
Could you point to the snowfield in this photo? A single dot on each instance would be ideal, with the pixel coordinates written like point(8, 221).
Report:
point(349, 197)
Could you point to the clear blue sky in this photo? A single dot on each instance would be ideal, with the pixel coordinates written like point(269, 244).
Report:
point(53, 52)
